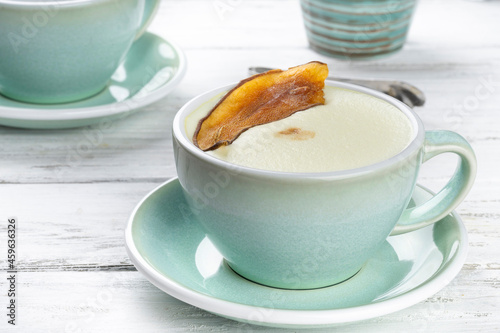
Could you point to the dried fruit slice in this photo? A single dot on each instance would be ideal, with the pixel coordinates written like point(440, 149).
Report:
point(261, 99)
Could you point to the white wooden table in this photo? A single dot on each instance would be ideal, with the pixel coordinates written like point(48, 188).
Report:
point(72, 205)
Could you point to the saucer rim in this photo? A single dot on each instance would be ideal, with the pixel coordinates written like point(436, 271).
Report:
point(102, 110)
point(288, 317)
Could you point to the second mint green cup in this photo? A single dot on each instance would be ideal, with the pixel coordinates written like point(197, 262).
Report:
point(63, 51)
point(311, 230)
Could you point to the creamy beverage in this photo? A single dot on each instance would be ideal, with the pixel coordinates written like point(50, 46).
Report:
point(351, 130)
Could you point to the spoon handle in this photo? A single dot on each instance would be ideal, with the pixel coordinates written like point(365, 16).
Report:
point(403, 91)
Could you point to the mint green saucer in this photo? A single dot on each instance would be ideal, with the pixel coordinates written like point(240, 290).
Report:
point(166, 244)
point(151, 69)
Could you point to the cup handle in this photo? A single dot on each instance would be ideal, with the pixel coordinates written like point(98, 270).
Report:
point(441, 204)
point(150, 10)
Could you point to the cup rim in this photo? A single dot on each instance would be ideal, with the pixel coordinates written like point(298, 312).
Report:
point(179, 134)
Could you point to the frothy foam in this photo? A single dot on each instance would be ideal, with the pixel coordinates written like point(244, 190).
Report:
point(351, 130)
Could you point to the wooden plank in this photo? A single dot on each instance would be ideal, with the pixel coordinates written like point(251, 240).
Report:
point(139, 147)
point(250, 24)
point(126, 302)
point(80, 227)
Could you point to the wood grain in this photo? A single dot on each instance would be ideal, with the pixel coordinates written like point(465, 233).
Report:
point(126, 302)
point(73, 190)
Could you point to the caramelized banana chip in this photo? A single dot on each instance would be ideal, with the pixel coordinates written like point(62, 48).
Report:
point(261, 99)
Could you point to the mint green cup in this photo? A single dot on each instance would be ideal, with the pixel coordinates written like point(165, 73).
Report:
point(63, 51)
point(311, 230)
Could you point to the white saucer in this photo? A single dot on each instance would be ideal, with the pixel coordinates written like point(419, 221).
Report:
point(170, 249)
point(151, 69)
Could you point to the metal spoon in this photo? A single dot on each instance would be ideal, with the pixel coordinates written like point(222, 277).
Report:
point(405, 92)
